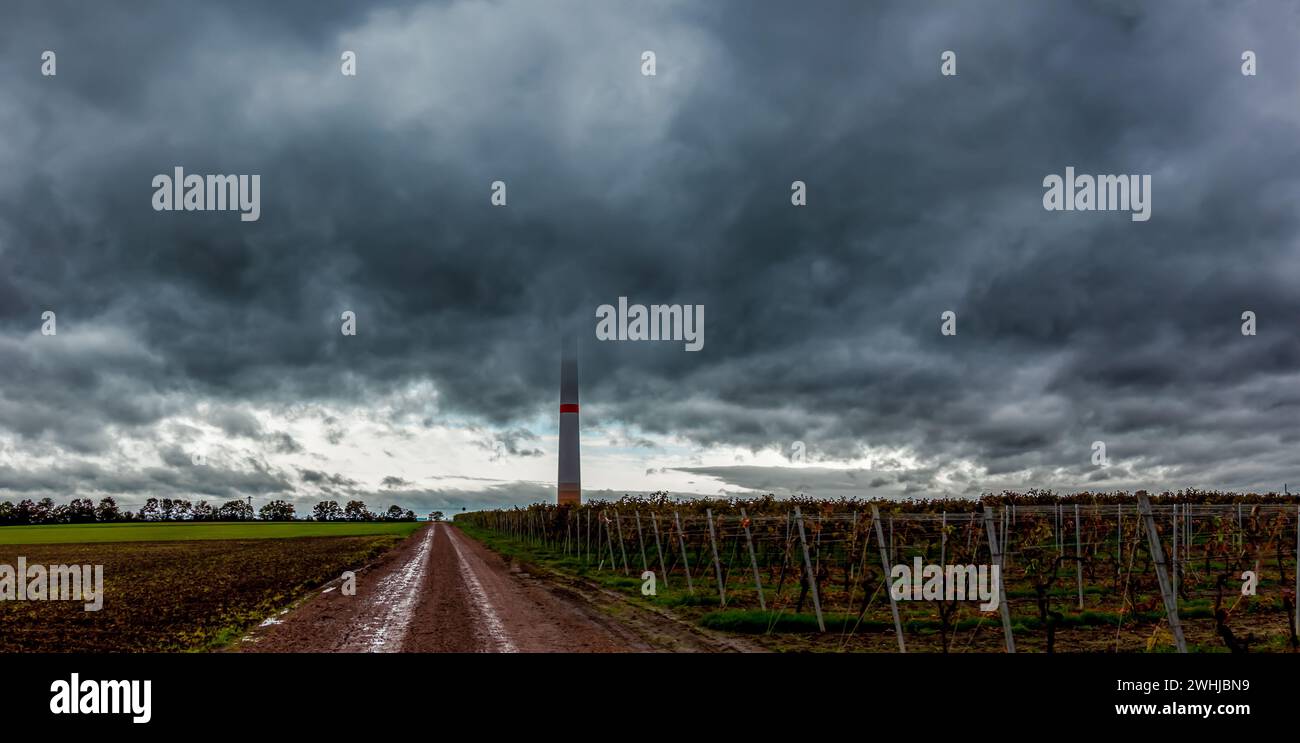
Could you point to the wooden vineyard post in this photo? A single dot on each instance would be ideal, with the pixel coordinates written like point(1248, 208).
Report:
point(640, 540)
point(1158, 557)
point(717, 566)
point(753, 561)
point(807, 563)
point(621, 547)
point(884, 565)
point(1078, 556)
point(681, 536)
point(663, 566)
point(996, 553)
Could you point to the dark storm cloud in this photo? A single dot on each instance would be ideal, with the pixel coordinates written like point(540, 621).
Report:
point(133, 486)
point(324, 478)
point(822, 322)
point(513, 442)
point(452, 500)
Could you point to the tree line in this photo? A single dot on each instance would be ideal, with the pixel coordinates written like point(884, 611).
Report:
point(85, 511)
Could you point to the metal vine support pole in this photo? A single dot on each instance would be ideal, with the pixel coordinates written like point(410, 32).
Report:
point(1158, 557)
point(996, 553)
point(681, 536)
point(753, 561)
point(943, 550)
point(853, 552)
point(609, 539)
point(884, 564)
point(568, 534)
point(1060, 548)
point(943, 539)
point(1007, 523)
point(807, 563)
point(1003, 521)
point(891, 538)
point(663, 567)
point(600, 533)
point(817, 546)
point(717, 566)
point(1173, 564)
point(640, 540)
point(621, 548)
point(1119, 540)
point(1239, 534)
point(1078, 555)
point(587, 554)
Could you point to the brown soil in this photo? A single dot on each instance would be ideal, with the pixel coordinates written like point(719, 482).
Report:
point(441, 591)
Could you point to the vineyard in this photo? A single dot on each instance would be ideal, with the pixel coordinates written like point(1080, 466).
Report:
point(1181, 572)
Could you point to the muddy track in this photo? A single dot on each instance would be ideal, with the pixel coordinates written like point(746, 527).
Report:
point(440, 591)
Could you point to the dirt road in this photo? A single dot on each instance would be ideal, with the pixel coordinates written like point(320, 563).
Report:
point(441, 591)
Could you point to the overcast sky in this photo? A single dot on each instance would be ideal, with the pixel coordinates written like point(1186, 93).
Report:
point(184, 333)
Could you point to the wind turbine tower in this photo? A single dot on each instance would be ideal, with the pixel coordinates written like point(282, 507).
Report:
point(569, 486)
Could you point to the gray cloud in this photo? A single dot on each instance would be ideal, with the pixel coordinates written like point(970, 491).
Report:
point(924, 196)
